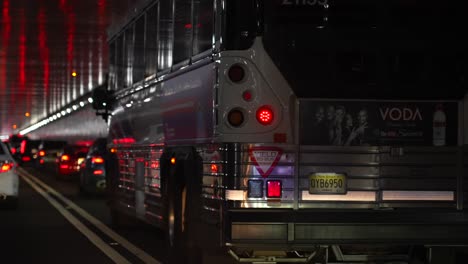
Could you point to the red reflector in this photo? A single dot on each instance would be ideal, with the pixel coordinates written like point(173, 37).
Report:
point(42, 153)
point(26, 158)
point(155, 164)
point(265, 115)
point(65, 158)
point(97, 160)
point(247, 96)
point(98, 172)
point(214, 168)
point(274, 189)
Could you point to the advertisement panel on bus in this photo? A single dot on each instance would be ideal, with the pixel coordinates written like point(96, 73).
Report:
point(379, 123)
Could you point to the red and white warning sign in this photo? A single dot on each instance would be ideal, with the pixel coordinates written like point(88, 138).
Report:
point(265, 159)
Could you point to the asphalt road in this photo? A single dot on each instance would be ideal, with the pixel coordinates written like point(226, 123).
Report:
point(54, 223)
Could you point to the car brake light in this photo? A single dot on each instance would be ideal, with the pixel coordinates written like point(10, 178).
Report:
point(6, 167)
point(274, 189)
point(97, 160)
point(23, 147)
point(65, 158)
point(98, 172)
point(26, 158)
point(265, 115)
point(13, 151)
point(41, 153)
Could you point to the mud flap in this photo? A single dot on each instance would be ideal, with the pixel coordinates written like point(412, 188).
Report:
point(180, 184)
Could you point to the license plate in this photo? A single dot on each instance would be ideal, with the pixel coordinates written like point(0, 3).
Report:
point(327, 183)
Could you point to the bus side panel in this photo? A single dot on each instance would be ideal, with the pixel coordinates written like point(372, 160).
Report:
point(177, 110)
point(187, 106)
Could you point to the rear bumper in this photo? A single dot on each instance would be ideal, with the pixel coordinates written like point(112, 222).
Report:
point(292, 230)
point(9, 184)
point(94, 183)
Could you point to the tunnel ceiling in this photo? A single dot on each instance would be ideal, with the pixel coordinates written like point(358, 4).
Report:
point(42, 42)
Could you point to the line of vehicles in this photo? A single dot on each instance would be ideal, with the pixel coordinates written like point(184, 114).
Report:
point(67, 161)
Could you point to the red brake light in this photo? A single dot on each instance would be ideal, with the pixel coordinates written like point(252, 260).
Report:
point(97, 160)
point(13, 150)
point(98, 172)
point(274, 189)
point(265, 115)
point(6, 167)
point(26, 158)
point(42, 153)
point(65, 158)
point(23, 147)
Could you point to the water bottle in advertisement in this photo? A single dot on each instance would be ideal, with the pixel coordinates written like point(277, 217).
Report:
point(438, 126)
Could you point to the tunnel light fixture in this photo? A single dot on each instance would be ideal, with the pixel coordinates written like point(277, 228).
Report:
point(68, 110)
point(82, 103)
point(75, 107)
point(90, 99)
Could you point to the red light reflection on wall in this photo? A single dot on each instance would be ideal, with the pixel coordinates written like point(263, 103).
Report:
point(44, 55)
point(6, 31)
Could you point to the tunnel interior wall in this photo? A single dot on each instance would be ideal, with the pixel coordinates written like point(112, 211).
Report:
point(82, 125)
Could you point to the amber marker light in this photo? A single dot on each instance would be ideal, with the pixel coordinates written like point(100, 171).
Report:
point(173, 160)
point(235, 117)
point(27, 114)
point(74, 74)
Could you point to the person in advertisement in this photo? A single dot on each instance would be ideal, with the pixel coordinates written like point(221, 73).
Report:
point(363, 134)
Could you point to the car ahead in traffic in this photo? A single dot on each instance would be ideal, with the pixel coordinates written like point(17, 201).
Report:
point(48, 152)
point(69, 163)
point(9, 182)
point(14, 145)
point(93, 171)
point(28, 152)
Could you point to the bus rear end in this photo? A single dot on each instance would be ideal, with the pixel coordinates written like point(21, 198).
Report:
point(347, 137)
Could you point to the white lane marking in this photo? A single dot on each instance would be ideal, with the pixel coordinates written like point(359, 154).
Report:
point(97, 241)
point(145, 257)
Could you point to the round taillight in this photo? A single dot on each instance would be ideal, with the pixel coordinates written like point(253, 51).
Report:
point(265, 115)
point(235, 117)
point(236, 73)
